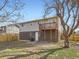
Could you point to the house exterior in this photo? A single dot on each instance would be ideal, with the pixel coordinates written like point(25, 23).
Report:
point(9, 29)
point(2, 29)
point(48, 29)
point(9, 33)
point(12, 29)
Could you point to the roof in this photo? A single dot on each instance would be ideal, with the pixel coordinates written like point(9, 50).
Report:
point(37, 20)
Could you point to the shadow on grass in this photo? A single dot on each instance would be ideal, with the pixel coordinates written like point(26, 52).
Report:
point(47, 51)
point(14, 44)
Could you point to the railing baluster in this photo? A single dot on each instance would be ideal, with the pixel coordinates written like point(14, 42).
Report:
point(48, 26)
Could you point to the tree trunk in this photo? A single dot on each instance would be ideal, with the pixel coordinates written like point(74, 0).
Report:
point(66, 43)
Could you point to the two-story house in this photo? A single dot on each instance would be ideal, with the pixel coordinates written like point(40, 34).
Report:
point(48, 29)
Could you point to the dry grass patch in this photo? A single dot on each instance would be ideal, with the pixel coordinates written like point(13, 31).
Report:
point(25, 50)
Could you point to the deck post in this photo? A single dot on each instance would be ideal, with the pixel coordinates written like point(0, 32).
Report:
point(36, 36)
point(51, 35)
point(44, 35)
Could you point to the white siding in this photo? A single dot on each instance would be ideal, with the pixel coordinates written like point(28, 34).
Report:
point(48, 21)
point(33, 26)
point(12, 29)
point(52, 20)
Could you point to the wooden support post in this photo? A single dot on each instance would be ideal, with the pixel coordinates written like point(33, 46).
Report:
point(18, 36)
point(44, 35)
point(51, 34)
point(55, 35)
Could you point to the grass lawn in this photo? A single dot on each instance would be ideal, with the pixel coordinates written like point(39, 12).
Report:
point(25, 50)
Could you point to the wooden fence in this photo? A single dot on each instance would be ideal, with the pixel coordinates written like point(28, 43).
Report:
point(73, 37)
point(8, 37)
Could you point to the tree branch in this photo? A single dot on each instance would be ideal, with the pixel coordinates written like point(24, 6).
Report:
point(4, 4)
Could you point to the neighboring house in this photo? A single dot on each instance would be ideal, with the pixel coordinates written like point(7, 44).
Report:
point(9, 29)
point(12, 29)
point(9, 33)
point(77, 31)
point(48, 29)
point(3, 30)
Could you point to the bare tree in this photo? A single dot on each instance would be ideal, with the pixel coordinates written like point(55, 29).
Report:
point(10, 10)
point(68, 12)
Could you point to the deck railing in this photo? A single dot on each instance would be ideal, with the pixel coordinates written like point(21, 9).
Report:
point(46, 26)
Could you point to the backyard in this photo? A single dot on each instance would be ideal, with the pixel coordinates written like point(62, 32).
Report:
point(39, 50)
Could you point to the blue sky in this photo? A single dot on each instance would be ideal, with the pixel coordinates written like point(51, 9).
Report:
point(33, 9)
